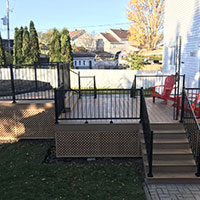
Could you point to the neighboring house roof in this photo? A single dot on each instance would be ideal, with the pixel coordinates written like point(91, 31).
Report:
point(79, 55)
point(123, 34)
point(109, 37)
point(76, 33)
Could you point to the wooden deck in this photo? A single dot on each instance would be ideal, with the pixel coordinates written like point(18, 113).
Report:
point(117, 107)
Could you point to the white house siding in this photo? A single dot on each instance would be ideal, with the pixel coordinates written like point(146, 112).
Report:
point(83, 62)
point(182, 18)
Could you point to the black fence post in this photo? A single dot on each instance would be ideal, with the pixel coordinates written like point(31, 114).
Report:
point(150, 156)
point(183, 100)
point(141, 104)
point(95, 89)
point(133, 88)
point(58, 72)
point(198, 166)
point(56, 108)
point(79, 84)
point(69, 75)
point(12, 83)
point(36, 83)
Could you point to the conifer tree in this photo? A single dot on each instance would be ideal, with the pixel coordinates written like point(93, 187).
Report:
point(17, 48)
point(55, 48)
point(2, 53)
point(34, 44)
point(66, 48)
point(26, 53)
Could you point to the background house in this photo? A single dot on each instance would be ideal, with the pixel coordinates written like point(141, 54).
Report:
point(80, 38)
point(113, 41)
point(83, 60)
point(182, 19)
point(75, 34)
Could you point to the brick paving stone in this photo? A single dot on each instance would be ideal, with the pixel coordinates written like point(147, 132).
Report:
point(188, 196)
point(174, 191)
point(193, 188)
point(197, 197)
point(164, 196)
point(173, 197)
point(159, 191)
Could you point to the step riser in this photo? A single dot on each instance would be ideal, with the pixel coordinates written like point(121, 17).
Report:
point(173, 169)
point(170, 157)
point(169, 136)
point(161, 126)
point(168, 146)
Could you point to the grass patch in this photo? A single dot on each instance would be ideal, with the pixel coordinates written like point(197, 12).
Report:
point(23, 176)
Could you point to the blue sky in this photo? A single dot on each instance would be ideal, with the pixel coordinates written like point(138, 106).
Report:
point(71, 14)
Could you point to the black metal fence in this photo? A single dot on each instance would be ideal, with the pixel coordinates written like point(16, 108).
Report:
point(192, 127)
point(99, 104)
point(147, 131)
point(32, 82)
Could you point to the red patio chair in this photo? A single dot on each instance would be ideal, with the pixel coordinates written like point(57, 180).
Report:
point(195, 104)
point(168, 87)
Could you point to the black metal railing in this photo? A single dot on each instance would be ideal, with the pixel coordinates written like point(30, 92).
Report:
point(110, 104)
point(146, 81)
point(147, 131)
point(33, 81)
point(59, 101)
point(90, 83)
point(191, 126)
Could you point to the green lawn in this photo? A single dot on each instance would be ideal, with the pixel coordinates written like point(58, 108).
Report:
point(23, 176)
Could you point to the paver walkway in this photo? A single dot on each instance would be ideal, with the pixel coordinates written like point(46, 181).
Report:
point(173, 191)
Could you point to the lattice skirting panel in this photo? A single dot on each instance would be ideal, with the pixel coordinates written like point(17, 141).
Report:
point(26, 121)
point(90, 140)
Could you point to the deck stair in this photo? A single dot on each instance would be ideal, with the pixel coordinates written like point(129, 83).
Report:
point(70, 101)
point(172, 156)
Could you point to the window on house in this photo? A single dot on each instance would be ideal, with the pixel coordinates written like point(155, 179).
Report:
point(79, 62)
point(75, 62)
point(84, 62)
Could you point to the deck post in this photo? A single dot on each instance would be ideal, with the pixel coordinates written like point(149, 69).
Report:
point(56, 109)
point(95, 89)
point(150, 156)
point(183, 100)
point(12, 83)
point(35, 70)
point(141, 104)
point(79, 84)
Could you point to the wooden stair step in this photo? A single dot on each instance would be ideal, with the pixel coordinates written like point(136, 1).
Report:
point(172, 163)
point(173, 178)
point(168, 166)
point(170, 151)
point(167, 126)
point(170, 141)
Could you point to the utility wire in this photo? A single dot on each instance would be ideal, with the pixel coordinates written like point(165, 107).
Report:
point(79, 27)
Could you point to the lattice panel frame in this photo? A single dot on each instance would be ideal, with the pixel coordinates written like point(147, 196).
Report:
point(107, 142)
